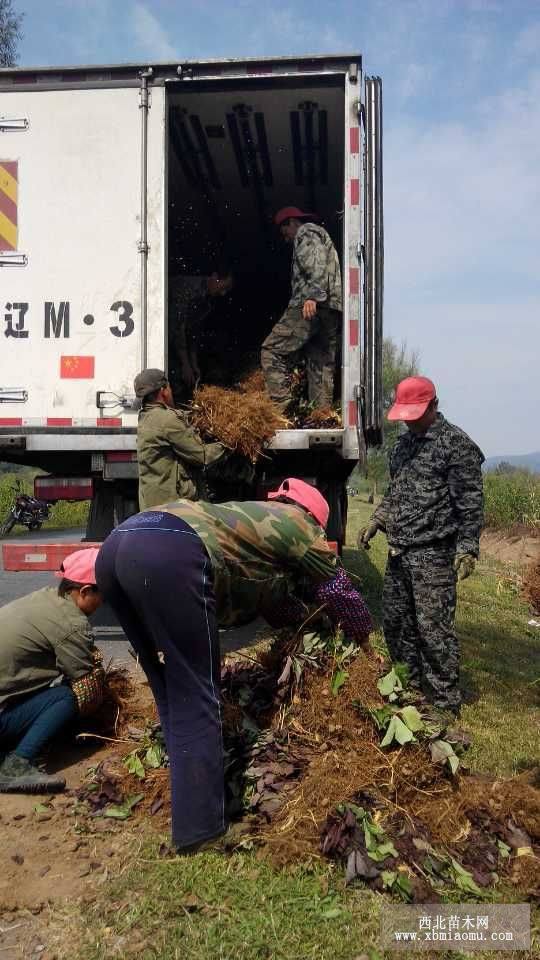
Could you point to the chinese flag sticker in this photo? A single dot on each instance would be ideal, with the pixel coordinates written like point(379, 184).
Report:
point(77, 368)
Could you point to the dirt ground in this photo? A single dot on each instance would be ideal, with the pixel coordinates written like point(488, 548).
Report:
point(50, 851)
point(510, 548)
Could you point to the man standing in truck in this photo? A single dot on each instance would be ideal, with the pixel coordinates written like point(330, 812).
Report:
point(432, 515)
point(309, 327)
point(172, 457)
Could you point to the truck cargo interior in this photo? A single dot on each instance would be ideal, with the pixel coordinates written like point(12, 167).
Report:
point(238, 151)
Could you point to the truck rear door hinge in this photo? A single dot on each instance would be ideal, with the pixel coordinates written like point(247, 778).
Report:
point(13, 395)
point(9, 124)
point(107, 400)
point(8, 259)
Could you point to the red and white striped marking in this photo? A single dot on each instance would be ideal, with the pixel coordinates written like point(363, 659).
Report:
point(39, 556)
point(353, 274)
point(59, 423)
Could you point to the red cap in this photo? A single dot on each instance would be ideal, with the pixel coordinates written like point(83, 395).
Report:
point(306, 496)
point(413, 397)
point(80, 567)
point(290, 213)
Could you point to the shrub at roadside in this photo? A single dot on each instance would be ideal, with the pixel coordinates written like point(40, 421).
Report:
point(512, 499)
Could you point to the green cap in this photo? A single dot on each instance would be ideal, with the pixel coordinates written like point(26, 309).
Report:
point(148, 381)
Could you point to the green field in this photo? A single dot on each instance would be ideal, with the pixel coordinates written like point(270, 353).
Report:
point(244, 909)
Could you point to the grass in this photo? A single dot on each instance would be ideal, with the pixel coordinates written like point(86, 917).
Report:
point(512, 499)
point(499, 655)
point(213, 907)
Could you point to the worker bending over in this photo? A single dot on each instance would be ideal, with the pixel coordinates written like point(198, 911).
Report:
point(172, 457)
point(177, 572)
point(309, 326)
point(46, 647)
point(432, 516)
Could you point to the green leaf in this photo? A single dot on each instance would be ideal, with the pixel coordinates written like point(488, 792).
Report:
point(382, 850)
point(381, 716)
point(443, 752)
point(412, 719)
point(403, 886)
point(463, 879)
point(397, 731)
point(403, 672)
point(41, 808)
point(504, 849)
point(338, 680)
point(389, 683)
point(388, 878)
point(311, 641)
point(154, 756)
point(123, 810)
point(133, 764)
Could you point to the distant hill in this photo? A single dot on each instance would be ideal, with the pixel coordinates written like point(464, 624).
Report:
point(529, 460)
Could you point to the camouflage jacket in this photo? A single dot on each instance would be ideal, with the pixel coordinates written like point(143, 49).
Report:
point(171, 456)
point(315, 273)
point(260, 553)
point(435, 489)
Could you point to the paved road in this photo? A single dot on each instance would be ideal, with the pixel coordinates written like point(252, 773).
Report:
point(109, 635)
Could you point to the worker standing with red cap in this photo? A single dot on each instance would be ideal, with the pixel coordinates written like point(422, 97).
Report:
point(309, 325)
point(432, 515)
point(174, 573)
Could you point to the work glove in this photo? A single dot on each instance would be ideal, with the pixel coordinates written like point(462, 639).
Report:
point(367, 533)
point(464, 565)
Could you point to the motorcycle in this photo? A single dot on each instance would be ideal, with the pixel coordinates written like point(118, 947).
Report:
point(26, 510)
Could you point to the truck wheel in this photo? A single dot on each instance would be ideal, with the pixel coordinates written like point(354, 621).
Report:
point(336, 530)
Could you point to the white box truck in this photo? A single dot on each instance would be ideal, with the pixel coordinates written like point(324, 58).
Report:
point(116, 179)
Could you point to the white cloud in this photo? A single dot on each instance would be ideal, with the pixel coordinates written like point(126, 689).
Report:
point(152, 39)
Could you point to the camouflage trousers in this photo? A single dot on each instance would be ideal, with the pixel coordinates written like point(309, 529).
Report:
point(294, 337)
point(419, 605)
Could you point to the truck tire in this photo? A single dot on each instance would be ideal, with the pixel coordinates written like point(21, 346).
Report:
point(336, 530)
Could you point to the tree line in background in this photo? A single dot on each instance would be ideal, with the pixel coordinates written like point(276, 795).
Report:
point(10, 33)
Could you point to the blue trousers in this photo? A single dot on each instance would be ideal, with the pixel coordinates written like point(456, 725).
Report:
point(29, 724)
point(155, 573)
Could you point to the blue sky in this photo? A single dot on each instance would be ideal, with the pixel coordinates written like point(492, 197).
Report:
point(462, 160)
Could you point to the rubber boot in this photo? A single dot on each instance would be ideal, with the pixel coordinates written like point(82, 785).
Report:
point(18, 775)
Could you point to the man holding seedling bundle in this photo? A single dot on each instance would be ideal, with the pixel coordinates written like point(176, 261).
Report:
point(432, 515)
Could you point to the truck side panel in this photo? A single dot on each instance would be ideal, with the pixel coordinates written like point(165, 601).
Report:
point(70, 316)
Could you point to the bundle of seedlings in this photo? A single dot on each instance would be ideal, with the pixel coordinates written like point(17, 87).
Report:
point(243, 418)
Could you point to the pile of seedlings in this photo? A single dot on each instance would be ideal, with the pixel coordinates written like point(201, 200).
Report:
point(328, 753)
point(245, 419)
point(332, 755)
